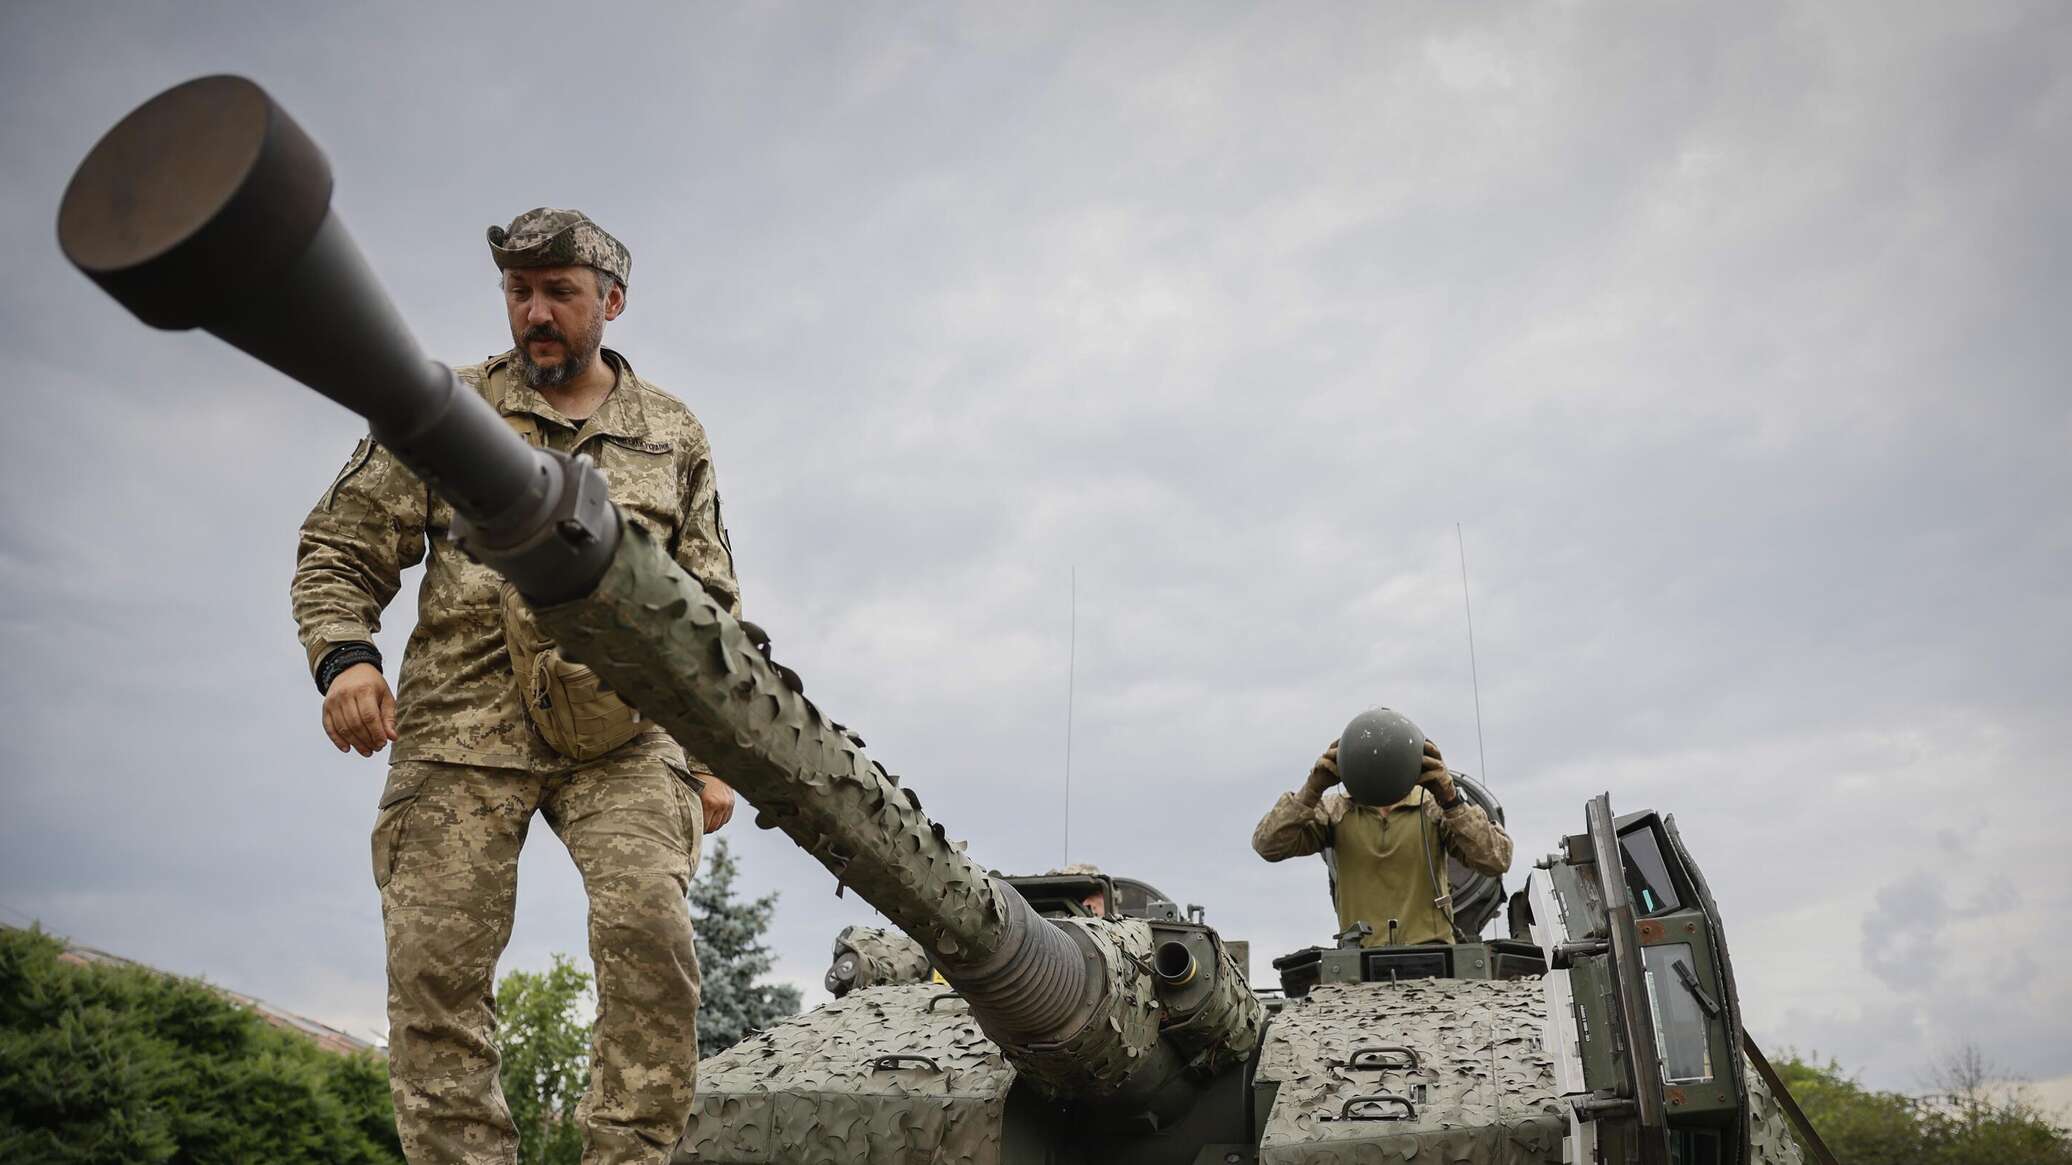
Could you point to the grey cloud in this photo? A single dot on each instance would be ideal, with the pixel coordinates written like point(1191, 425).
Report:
point(1905, 938)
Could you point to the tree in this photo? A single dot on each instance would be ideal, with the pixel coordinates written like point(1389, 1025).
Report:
point(543, 1025)
point(544, 1037)
point(103, 1063)
point(731, 956)
point(1862, 1127)
point(1977, 1114)
point(1973, 1118)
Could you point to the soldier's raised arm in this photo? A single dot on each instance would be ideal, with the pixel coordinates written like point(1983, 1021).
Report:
point(1299, 824)
point(349, 560)
point(1465, 830)
point(1469, 834)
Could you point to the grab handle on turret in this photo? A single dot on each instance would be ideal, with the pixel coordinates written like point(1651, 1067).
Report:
point(1373, 1058)
point(894, 1061)
point(1366, 1103)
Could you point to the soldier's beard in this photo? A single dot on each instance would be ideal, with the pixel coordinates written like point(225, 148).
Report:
point(575, 357)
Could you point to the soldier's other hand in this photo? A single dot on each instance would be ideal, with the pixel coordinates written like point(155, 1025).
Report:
point(1434, 775)
point(717, 798)
point(360, 711)
point(1324, 773)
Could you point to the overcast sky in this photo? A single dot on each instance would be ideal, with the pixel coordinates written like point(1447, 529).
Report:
point(1732, 337)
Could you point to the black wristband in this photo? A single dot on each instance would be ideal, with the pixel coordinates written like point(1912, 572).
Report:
point(344, 656)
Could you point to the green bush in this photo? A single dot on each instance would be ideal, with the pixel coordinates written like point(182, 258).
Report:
point(1971, 1120)
point(543, 1025)
point(123, 1064)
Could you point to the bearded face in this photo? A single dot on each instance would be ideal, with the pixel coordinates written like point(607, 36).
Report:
point(557, 321)
point(574, 355)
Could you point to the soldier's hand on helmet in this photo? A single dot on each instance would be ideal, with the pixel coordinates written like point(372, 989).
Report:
point(1323, 774)
point(360, 711)
point(717, 798)
point(1434, 776)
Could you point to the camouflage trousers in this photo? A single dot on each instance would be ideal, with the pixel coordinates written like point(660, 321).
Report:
point(446, 846)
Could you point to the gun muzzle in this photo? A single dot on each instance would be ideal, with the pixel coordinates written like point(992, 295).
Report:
point(209, 207)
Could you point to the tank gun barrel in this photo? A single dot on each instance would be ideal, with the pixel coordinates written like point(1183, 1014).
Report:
point(208, 207)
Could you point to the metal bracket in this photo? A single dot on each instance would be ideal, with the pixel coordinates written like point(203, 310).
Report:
point(1689, 979)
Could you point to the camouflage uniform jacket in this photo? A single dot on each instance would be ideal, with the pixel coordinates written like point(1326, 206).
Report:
point(457, 700)
point(1376, 872)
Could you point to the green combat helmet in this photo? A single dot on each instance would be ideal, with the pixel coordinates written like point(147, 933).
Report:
point(1605, 1030)
point(1380, 756)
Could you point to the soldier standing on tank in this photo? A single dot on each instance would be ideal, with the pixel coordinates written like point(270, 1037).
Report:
point(1388, 858)
point(492, 726)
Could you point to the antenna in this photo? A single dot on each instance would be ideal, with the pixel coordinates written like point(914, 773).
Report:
point(1474, 674)
point(1071, 670)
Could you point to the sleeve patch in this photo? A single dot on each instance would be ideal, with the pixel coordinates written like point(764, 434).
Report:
point(353, 464)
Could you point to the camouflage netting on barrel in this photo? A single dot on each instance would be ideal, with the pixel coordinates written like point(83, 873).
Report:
point(1073, 1006)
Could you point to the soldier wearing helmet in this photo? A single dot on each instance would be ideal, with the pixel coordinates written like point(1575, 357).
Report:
point(1386, 838)
point(491, 725)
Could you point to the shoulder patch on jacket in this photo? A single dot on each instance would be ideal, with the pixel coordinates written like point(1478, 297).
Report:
point(353, 464)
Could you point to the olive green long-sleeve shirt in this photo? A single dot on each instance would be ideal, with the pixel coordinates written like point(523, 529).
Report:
point(1381, 869)
point(457, 700)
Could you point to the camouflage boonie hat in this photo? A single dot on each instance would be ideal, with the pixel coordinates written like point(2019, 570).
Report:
point(544, 237)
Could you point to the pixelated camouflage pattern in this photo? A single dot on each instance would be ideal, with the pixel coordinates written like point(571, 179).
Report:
point(883, 956)
point(574, 712)
point(1372, 883)
point(445, 857)
point(807, 1090)
point(670, 648)
point(545, 237)
point(1488, 1085)
point(457, 700)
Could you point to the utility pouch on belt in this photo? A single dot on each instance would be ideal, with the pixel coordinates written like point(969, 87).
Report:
point(577, 715)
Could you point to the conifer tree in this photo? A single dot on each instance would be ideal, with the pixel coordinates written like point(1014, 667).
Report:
point(731, 957)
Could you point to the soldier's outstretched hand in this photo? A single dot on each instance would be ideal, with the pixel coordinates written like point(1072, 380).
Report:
point(360, 711)
point(1434, 775)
